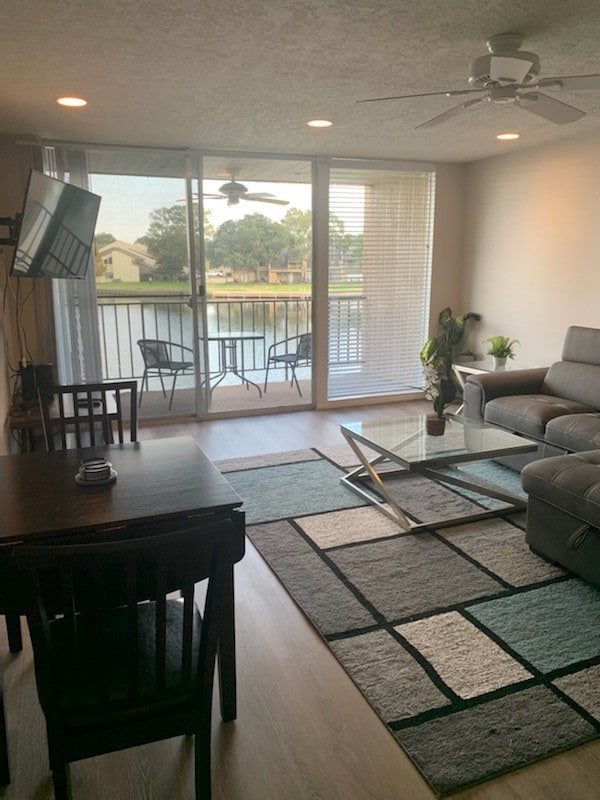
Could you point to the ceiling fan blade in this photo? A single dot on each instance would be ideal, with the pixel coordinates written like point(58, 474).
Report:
point(266, 200)
point(195, 198)
point(509, 70)
point(549, 108)
point(571, 82)
point(258, 195)
point(449, 93)
point(448, 114)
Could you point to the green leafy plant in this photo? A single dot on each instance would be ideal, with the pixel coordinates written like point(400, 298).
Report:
point(501, 346)
point(437, 355)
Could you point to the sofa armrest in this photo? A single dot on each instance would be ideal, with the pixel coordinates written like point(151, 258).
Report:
point(480, 389)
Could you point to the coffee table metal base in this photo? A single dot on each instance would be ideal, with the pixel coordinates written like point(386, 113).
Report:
point(390, 507)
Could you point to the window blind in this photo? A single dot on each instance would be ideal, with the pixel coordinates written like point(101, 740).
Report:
point(75, 315)
point(380, 234)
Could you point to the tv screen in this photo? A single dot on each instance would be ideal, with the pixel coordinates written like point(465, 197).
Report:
point(56, 235)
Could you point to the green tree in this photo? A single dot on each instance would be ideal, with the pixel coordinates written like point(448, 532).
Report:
point(297, 226)
point(251, 242)
point(344, 248)
point(102, 239)
point(167, 241)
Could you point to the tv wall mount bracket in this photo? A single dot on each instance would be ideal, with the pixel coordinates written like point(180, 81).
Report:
point(13, 226)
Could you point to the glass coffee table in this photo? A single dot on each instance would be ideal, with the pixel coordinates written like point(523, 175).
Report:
point(403, 443)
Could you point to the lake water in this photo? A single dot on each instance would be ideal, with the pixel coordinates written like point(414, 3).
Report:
point(123, 321)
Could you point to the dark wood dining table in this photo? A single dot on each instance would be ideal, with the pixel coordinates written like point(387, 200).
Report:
point(157, 481)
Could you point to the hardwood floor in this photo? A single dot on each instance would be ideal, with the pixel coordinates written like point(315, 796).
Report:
point(304, 732)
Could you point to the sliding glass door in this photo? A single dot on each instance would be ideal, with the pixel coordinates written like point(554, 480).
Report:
point(204, 264)
point(143, 279)
point(256, 282)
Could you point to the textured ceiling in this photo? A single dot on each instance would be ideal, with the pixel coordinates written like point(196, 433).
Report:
point(246, 74)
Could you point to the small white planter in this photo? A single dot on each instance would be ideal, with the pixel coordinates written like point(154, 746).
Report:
point(499, 361)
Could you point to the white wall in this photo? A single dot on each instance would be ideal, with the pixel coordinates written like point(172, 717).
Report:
point(447, 268)
point(532, 246)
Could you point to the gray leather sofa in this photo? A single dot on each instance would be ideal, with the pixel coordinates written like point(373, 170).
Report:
point(563, 511)
point(558, 406)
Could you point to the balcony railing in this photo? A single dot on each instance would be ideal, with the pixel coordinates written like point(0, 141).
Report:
point(123, 319)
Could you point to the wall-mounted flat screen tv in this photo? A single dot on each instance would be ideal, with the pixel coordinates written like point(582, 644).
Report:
point(56, 235)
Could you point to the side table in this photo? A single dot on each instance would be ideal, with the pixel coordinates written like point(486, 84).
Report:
point(463, 368)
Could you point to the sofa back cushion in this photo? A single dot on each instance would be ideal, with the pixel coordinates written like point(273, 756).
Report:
point(582, 345)
point(577, 376)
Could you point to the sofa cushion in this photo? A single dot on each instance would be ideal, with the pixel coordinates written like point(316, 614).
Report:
point(574, 432)
point(529, 414)
point(574, 381)
point(571, 483)
point(582, 344)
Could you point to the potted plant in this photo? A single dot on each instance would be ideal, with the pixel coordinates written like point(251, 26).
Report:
point(500, 348)
point(436, 357)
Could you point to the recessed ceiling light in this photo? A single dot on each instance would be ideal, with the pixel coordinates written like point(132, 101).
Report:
point(320, 123)
point(507, 137)
point(72, 102)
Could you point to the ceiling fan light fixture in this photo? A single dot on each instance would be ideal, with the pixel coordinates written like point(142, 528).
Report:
point(71, 102)
point(509, 136)
point(319, 123)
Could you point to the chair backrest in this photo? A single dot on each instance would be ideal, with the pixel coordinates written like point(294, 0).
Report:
point(155, 352)
point(105, 635)
point(82, 415)
point(304, 346)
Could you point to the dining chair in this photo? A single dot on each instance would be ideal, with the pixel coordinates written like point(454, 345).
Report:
point(82, 415)
point(119, 662)
point(79, 415)
point(163, 358)
point(290, 355)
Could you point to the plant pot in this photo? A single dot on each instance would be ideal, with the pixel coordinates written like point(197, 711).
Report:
point(499, 361)
point(435, 426)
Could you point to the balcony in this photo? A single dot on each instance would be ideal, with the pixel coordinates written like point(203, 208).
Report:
point(123, 319)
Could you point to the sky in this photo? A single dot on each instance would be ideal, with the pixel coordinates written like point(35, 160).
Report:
point(128, 200)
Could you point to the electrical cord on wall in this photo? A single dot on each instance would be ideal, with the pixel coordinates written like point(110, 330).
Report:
point(19, 306)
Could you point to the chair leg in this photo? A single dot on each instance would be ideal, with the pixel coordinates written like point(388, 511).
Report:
point(295, 379)
point(162, 383)
point(173, 390)
point(144, 378)
point(4, 766)
point(202, 773)
point(62, 782)
point(266, 376)
point(13, 630)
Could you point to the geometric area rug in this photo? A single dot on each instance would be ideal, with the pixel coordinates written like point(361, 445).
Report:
point(479, 656)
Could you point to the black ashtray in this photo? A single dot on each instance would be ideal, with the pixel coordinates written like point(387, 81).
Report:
point(95, 472)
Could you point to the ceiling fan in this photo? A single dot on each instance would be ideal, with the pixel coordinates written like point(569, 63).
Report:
point(507, 75)
point(233, 192)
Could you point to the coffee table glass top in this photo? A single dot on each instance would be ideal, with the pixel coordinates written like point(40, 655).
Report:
point(405, 441)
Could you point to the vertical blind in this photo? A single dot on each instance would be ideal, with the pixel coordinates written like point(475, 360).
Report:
point(75, 315)
point(380, 234)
